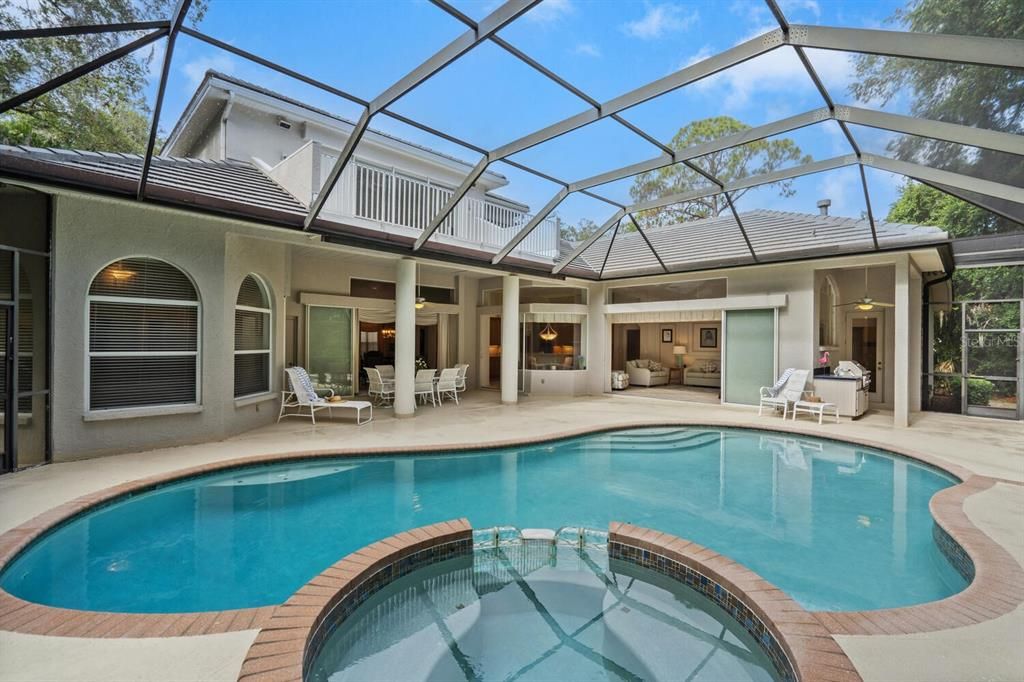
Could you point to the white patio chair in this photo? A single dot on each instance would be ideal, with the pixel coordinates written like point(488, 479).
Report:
point(424, 386)
point(460, 380)
point(448, 384)
point(381, 392)
point(386, 372)
point(302, 394)
point(786, 391)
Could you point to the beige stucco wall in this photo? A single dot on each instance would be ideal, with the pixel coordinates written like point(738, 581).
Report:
point(92, 232)
point(217, 253)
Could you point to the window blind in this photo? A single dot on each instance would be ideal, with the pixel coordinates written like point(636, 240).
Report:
point(143, 336)
point(252, 338)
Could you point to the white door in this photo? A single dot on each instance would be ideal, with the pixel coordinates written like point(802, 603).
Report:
point(865, 343)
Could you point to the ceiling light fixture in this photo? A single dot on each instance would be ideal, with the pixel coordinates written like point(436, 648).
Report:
point(548, 333)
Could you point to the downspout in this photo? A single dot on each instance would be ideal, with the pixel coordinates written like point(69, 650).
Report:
point(925, 340)
point(224, 125)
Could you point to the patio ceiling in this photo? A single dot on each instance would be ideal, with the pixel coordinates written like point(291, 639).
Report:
point(591, 257)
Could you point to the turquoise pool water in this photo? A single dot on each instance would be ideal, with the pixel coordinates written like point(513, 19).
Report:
point(539, 613)
point(836, 526)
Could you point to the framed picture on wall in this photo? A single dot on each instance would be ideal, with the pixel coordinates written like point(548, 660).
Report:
point(666, 336)
point(708, 337)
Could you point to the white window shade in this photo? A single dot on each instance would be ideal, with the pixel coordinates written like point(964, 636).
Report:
point(253, 330)
point(144, 317)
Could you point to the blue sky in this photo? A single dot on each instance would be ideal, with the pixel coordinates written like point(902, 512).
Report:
point(603, 47)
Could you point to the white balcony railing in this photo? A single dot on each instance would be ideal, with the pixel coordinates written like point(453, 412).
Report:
point(388, 197)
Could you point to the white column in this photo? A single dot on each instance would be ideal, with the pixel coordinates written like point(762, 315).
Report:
point(510, 340)
point(598, 348)
point(405, 337)
point(901, 355)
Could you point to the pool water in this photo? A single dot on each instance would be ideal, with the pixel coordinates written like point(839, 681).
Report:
point(836, 526)
point(539, 612)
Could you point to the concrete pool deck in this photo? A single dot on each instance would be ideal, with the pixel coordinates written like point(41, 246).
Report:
point(988, 650)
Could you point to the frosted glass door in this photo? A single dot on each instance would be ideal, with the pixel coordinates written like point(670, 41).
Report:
point(329, 343)
point(749, 354)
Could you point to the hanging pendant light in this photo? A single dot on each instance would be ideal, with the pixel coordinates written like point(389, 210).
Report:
point(548, 333)
point(420, 301)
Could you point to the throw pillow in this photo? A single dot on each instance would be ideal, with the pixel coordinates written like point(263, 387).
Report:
point(655, 366)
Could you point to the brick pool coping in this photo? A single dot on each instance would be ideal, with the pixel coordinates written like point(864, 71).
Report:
point(800, 647)
point(997, 588)
point(288, 643)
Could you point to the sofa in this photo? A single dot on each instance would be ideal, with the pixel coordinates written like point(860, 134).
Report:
point(704, 374)
point(646, 373)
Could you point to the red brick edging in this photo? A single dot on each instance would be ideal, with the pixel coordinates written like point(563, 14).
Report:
point(287, 643)
point(998, 586)
point(812, 652)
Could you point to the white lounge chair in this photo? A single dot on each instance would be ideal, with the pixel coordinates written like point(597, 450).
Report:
point(381, 392)
point(387, 372)
point(460, 381)
point(786, 391)
point(302, 394)
point(424, 386)
point(448, 384)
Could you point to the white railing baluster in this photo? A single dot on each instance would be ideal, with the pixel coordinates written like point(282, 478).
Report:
point(391, 197)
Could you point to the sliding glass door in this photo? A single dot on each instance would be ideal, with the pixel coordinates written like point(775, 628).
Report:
point(749, 354)
point(330, 348)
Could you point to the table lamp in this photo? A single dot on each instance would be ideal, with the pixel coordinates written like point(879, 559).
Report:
point(679, 352)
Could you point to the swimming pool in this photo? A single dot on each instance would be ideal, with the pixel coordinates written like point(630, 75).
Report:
point(539, 612)
point(837, 526)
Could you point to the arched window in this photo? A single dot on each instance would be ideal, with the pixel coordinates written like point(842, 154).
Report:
point(143, 336)
point(828, 297)
point(252, 338)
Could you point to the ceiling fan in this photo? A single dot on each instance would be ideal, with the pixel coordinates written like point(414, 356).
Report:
point(865, 302)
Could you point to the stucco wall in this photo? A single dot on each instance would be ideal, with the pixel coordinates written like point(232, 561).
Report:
point(89, 234)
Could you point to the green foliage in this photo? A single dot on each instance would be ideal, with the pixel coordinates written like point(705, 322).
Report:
point(578, 232)
point(103, 110)
point(924, 205)
point(753, 158)
point(979, 96)
point(979, 391)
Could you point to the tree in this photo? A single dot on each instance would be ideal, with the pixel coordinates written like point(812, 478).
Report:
point(980, 96)
point(753, 158)
point(578, 232)
point(103, 110)
point(923, 205)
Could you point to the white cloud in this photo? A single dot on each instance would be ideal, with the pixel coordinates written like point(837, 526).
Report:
point(797, 5)
point(777, 71)
point(660, 20)
point(196, 69)
point(587, 50)
point(842, 187)
point(550, 11)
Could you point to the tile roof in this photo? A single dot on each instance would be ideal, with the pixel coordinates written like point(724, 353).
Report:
point(775, 235)
point(233, 186)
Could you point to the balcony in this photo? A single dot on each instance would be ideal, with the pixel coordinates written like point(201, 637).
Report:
point(390, 200)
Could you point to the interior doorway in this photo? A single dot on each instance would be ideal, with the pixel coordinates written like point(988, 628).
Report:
point(377, 346)
point(632, 343)
point(864, 332)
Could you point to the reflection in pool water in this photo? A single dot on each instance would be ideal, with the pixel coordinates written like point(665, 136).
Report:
point(839, 527)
